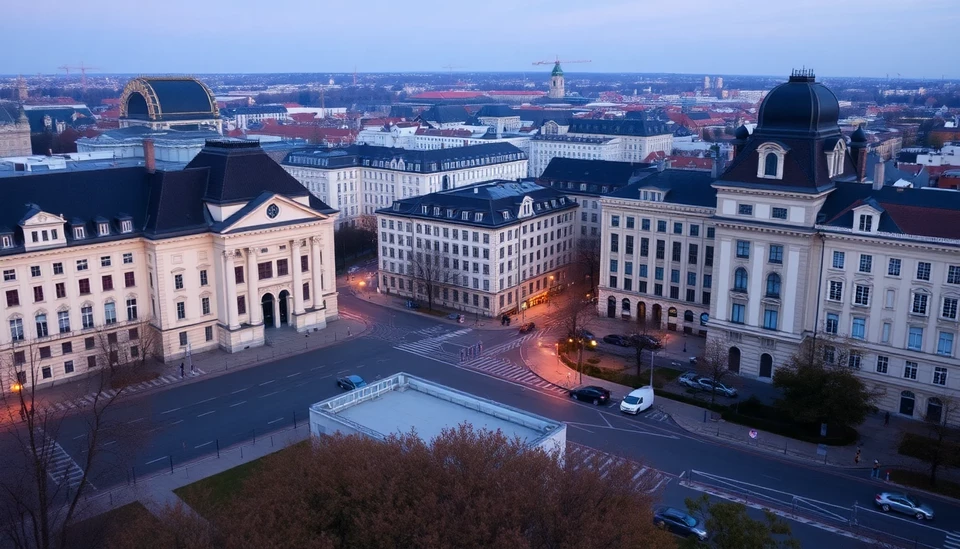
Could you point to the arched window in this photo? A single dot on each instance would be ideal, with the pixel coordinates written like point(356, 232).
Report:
point(773, 285)
point(907, 400)
point(770, 165)
point(934, 410)
point(625, 305)
point(740, 280)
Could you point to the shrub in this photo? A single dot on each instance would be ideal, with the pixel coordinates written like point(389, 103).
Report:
point(924, 448)
point(593, 361)
point(754, 413)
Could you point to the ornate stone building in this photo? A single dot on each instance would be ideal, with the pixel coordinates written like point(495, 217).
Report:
point(163, 102)
point(215, 255)
point(14, 130)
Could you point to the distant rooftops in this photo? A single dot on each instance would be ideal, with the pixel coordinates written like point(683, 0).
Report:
point(407, 160)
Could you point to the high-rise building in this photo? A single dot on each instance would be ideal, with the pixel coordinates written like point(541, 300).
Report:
point(706, 82)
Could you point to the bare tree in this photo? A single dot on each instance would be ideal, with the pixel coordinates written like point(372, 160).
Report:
point(575, 315)
point(647, 338)
point(587, 259)
point(431, 270)
point(713, 364)
point(943, 436)
point(42, 490)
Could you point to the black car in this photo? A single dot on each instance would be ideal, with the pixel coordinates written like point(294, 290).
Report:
point(618, 340)
point(591, 393)
point(528, 327)
point(648, 342)
point(679, 523)
point(583, 334)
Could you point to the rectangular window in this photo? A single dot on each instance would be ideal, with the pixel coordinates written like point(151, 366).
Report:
point(893, 267)
point(642, 271)
point(866, 263)
point(181, 310)
point(45, 372)
point(628, 244)
point(86, 317)
point(915, 338)
point(779, 213)
point(265, 270)
point(920, 303)
point(910, 370)
point(707, 281)
point(658, 273)
point(949, 309)
point(885, 332)
point(678, 228)
point(41, 322)
point(203, 277)
point(743, 249)
point(92, 361)
point(770, 319)
point(613, 265)
point(776, 254)
point(866, 223)
point(16, 329)
point(692, 250)
point(614, 220)
point(694, 230)
point(674, 276)
point(676, 252)
point(737, 313)
point(208, 333)
point(891, 299)
point(883, 363)
point(854, 360)
point(37, 294)
point(9, 275)
point(644, 224)
point(58, 268)
point(953, 274)
point(945, 344)
point(644, 247)
point(613, 281)
point(35, 271)
point(110, 312)
point(178, 281)
point(745, 209)
point(13, 298)
point(838, 260)
point(205, 305)
point(81, 264)
point(833, 323)
point(861, 296)
point(282, 267)
point(661, 226)
point(661, 249)
point(84, 286)
point(939, 375)
point(66, 348)
point(68, 367)
point(691, 279)
point(836, 291)
point(183, 339)
point(105, 261)
point(63, 321)
point(859, 328)
point(129, 279)
point(127, 258)
point(614, 242)
point(305, 260)
point(241, 305)
point(630, 222)
point(107, 282)
point(238, 275)
point(923, 270)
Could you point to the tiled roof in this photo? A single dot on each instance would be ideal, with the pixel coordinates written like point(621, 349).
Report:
point(632, 127)
point(919, 212)
point(490, 198)
point(561, 173)
point(686, 187)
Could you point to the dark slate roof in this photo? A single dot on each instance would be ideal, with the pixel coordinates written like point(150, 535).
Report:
point(892, 174)
point(499, 111)
point(72, 116)
point(401, 111)
point(238, 170)
point(569, 173)
point(255, 109)
point(179, 98)
point(632, 127)
point(491, 198)
point(684, 187)
point(801, 106)
point(539, 116)
point(160, 204)
point(445, 114)
point(413, 160)
point(919, 212)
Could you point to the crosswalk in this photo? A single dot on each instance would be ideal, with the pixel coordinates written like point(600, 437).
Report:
point(506, 369)
point(91, 398)
point(433, 347)
point(61, 468)
point(509, 345)
point(952, 541)
point(646, 479)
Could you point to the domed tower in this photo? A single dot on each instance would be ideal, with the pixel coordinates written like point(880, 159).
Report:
point(858, 152)
point(557, 90)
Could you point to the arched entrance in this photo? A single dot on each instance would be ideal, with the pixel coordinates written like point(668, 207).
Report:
point(733, 360)
point(445, 185)
point(611, 307)
point(657, 315)
point(625, 308)
point(766, 365)
point(267, 303)
point(672, 318)
point(641, 311)
point(284, 298)
point(907, 402)
point(934, 410)
point(688, 322)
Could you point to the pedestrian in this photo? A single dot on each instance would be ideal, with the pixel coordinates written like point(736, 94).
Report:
point(886, 419)
point(181, 370)
point(856, 458)
point(875, 473)
point(480, 346)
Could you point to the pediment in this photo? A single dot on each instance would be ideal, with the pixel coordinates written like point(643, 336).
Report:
point(269, 210)
point(36, 217)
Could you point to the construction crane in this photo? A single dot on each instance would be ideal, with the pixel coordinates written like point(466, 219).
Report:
point(557, 61)
point(452, 67)
point(83, 72)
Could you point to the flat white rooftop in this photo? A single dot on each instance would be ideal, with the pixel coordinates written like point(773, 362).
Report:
point(403, 403)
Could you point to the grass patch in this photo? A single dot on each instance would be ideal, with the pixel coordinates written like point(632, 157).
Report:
point(661, 376)
point(916, 479)
point(93, 531)
point(209, 494)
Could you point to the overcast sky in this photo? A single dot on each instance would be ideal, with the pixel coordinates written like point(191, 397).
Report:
point(916, 38)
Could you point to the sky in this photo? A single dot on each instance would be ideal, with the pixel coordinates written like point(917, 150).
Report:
point(915, 38)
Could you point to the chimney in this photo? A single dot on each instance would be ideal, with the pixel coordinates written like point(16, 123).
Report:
point(149, 156)
point(862, 164)
point(878, 176)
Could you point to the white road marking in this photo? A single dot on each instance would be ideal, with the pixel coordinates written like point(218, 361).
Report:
point(206, 413)
point(274, 421)
point(238, 391)
point(170, 410)
point(267, 382)
point(139, 419)
point(178, 422)
point(202, 445)
point(202, 401)
point(78, 436)
point(238, 403)
point(109, 443)
point(295, 374)
point(158, 459)
point(269, 394)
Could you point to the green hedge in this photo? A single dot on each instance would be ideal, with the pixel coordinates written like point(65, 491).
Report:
point(680, 397)
point(753, 413)
point(924, 448)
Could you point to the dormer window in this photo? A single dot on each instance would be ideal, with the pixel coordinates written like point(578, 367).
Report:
point(506, 215)
point(450, 213)
point(396, 206)
point(126, 226)
point(79, 233)
point(770, 161)
point(103, 229)
point(436, 211)
point(465, 216)
point(6, 241)
point(478, 217)
point(423, 209)
point(866, 223)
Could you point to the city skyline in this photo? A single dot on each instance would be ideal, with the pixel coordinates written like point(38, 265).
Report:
point(741, 37)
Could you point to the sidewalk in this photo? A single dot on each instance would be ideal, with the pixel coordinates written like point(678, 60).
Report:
point(877, 441)
point(156, 491)
point(74, 394)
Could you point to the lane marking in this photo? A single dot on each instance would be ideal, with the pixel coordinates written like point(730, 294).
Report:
point(178, 422)
point(158, 459)
point(295, 374)
point(202, 445)
point(202, 401)
point(267, 382)
point(206, 413)
point(238, 403)
point(78, 436)
point(238, 391)
point(170, 410)
point(109, 443)
point(582, 428)
point(139, 419)
point(315, 368)
point(274, 421)
point(269, 394)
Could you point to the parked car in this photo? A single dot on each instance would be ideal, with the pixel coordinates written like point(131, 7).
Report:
point(351, 382)
point(354, 269)
point(637, 401)
point(527, 328)
point(591, 393)
point(618, 340)
point(903, 503)
point(690, 379)
point(647, 341)
point(708, 384)
point(411, 304)
point(585, 334)
point(679, 523)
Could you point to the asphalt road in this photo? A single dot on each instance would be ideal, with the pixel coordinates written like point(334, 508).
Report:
point(190, 420)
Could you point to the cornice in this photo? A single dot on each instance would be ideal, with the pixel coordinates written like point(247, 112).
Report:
point(902, 240)
point(754, 192)
point(766, 229)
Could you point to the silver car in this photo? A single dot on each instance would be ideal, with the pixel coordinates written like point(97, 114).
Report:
point(710, 385)
point(689, 379)
point(902, 503)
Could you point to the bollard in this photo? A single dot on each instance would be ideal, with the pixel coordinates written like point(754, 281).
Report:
point(218, 448)
point(271, 441)
point(704, 415)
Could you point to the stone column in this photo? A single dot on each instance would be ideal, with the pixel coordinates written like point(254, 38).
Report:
point(297, 277)
point(276, 311)
point(253, 297)
point(316, 270)
point(230, 292)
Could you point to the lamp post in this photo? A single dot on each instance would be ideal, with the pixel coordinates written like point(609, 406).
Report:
point(556, 347)
point(652, 355)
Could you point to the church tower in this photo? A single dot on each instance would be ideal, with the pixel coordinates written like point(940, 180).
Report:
point(557, 90)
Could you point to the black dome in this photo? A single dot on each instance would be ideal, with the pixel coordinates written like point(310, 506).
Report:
point(742, 133)
point(859, 136)
point(801, 106)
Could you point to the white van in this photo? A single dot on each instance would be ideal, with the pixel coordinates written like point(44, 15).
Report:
point(637, 401)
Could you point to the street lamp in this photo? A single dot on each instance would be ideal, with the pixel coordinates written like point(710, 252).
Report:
point(653, 354)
